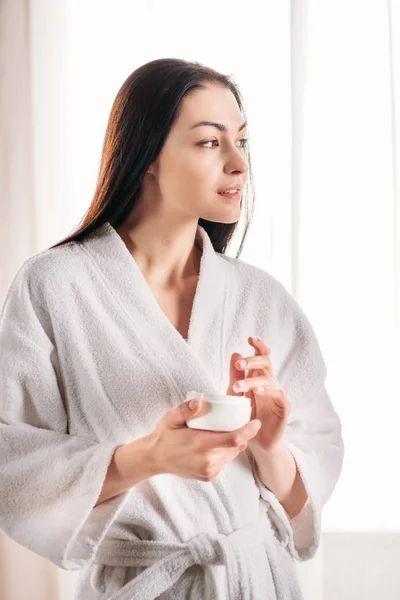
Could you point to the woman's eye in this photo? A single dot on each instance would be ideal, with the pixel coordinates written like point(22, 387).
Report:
point(243, 140)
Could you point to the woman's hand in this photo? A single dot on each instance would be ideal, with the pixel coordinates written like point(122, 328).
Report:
point(195, 453)
point(271, 405)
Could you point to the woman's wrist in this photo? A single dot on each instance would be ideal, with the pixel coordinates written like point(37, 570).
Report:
point(131, 464)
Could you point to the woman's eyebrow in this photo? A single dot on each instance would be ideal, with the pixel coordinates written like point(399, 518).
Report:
point(219, 126)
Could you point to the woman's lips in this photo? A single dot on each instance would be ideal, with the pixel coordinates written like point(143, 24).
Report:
point(235, 196)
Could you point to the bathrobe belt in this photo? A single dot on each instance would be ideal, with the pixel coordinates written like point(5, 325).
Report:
point(167, 562)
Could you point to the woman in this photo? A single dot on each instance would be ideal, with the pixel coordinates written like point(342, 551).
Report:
point(103, 335)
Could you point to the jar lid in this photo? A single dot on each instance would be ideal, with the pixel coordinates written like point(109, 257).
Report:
point(218, 398)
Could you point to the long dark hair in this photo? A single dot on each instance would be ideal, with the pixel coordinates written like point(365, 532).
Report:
point(142, 114)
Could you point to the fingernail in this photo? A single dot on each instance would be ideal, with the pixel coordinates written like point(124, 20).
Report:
point(192, 404)
point(239, 388)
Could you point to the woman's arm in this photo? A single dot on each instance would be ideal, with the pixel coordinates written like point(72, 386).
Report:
point(279, 473)
point(131, 464)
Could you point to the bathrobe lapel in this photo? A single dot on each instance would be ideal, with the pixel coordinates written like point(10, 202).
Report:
point(197, 360)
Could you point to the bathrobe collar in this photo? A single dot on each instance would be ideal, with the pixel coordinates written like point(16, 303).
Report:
point(127, 282)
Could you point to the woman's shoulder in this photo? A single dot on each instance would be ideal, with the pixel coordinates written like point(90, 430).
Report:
point(45, 270)
point(260, 279)
point(271, 295)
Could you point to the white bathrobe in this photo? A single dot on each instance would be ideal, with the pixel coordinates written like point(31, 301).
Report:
point(89, 362)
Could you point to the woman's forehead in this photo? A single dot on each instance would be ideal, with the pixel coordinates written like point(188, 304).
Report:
point(212, 107)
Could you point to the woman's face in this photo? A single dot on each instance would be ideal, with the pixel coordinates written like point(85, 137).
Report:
point(195, 162)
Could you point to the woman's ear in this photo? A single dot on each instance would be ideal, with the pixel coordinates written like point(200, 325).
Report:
point(153, 168)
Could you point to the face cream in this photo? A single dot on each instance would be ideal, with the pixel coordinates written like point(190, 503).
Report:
point(219, 412)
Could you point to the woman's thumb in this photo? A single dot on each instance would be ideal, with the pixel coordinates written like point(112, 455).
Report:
point(184, 411)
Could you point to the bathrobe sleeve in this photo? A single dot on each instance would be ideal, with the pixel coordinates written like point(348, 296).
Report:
point(313, 434)
point(49, 480)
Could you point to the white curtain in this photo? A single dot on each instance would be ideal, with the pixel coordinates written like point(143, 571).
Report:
point(321, 86)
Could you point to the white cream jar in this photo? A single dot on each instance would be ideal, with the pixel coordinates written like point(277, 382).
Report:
point(219, 412)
